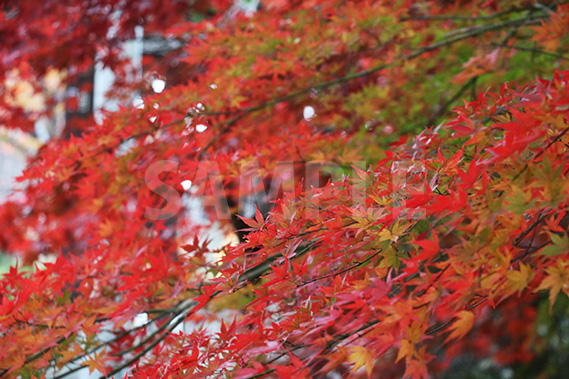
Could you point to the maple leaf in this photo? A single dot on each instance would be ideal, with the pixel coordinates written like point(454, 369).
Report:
point(256, 223)
point(96, 361)
point(361, 357)
point(361, 284)
point(416, 368)
point(518, 280)
point(449, 165)
point(462, 325)
point(69, 354)
point(430, 248)
point(406, 350)
point(281, 84)
point(559, 245)
point(557, 279)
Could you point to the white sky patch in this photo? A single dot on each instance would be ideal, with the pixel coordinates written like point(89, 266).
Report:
point(158, 85)
point(308, 112)
point(138, 103)
point(140, 319)
point(186, 184)
point(201, 128)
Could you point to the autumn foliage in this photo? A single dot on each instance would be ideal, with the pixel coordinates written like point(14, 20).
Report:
point(403, 237)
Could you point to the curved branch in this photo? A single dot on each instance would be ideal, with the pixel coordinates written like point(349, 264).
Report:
point(468, 33)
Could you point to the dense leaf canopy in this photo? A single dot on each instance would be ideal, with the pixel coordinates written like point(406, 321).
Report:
point(385, 253)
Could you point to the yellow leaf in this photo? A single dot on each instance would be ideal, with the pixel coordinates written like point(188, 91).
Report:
point(556, 281)
point(382, 269)
point(385, 235)
point(518, 280)
point(96, 362)
point(381, 200)
point(462, 325)
point(361, 357)
point(406, 350)
point(392, 235)
point(361, 284)
point(106, 228)
point(68, 355)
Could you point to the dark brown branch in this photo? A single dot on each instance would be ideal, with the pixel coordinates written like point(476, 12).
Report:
point(249, 275)
point(333, 274)
point(555, 139)
point(466, 18)
point(530, 50)
point(469, 33)
point(257, 271)
point(470, 83)
point(529, 229)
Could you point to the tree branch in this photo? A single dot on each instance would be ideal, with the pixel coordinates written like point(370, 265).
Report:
point(469, 33)
point(451, 101)
point(466, 18)
point(530, 50)
point(249, 275)
point(333, 274)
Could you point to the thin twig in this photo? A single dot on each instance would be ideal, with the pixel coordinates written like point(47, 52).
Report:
point(473, 32)
point(249, 275)
point(530, 50)
point(464, 18)
point(555, 139)
point(333, 274)
point(259, 270)
point(451, 101)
